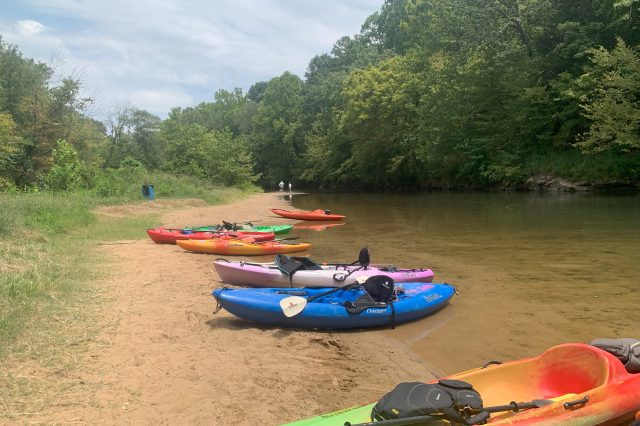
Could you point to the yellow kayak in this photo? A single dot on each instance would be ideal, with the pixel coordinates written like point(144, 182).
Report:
point(571, 385)
point(241, 248)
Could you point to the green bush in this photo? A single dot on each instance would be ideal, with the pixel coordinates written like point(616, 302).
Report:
point(68, 172)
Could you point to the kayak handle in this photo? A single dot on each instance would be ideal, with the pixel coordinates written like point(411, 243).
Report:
point(488, 363)
point(571, 404)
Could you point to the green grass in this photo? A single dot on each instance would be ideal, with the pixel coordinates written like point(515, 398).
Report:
point(44, 260)
point(50, 302)
point(122, 185)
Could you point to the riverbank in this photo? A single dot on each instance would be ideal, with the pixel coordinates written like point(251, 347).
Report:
point(161, 356)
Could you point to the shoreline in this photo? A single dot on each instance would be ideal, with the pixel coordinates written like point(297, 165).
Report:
point(162, 355)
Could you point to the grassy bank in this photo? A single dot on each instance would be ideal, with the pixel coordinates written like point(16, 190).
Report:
point(45, 266)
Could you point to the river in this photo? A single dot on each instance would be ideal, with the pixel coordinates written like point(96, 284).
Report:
point(532, 269)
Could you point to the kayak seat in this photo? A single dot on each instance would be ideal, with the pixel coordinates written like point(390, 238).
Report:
point(574, 368)
point(309, 265)
point(289, 265)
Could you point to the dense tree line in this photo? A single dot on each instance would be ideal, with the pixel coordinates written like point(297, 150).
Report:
point(47, 140)
point(430, 93)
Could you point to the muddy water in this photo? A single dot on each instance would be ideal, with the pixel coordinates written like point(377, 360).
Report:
point(533, 270)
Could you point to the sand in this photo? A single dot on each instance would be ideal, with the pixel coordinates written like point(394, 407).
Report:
point(163, 357)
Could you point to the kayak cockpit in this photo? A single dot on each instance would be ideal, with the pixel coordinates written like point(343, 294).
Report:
point(564, 370)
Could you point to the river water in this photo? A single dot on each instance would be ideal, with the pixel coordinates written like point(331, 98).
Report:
point(532, 270)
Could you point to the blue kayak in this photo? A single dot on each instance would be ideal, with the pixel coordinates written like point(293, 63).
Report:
point(262, 305)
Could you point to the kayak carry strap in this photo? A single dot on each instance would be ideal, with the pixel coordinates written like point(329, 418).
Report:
point(218, 302)
point(393, 315)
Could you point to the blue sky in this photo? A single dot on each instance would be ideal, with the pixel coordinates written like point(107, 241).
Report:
point(155, 54)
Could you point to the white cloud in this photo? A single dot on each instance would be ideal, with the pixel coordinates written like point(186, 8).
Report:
point(29, 27)
point(154, 52)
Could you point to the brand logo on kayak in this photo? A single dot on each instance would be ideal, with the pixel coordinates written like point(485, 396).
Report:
point(432, 297)
point(376, 311)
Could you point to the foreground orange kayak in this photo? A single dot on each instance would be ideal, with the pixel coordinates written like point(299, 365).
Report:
point(579, 384)
point(241, 248)
point(307, 215)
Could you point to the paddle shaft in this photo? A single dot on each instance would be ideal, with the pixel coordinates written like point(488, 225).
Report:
point(270, 241)
point(513, 406)
point(333, 290)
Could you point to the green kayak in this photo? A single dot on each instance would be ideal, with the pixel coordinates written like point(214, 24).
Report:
point(276, 229)
point(353, 415)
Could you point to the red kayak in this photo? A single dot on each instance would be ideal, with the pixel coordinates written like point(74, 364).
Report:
point(308, 215)
point(170, 236)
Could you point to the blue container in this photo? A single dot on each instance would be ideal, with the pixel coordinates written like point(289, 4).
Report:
point(148, 192)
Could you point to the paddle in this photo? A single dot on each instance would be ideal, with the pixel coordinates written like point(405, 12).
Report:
point(512, 406)
point(275, 239)
point(234, 225)
point(293, 305)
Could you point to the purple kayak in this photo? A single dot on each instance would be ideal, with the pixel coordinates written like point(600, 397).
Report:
point(287, 272)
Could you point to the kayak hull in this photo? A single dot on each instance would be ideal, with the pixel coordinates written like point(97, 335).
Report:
point(268, 275)
point(170, 236)
point(564, 373)
point(240, 248)
point(307, 215)
point(276, 229)
point(262, 306)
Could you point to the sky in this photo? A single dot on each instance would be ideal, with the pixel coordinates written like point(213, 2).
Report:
point(158, 54)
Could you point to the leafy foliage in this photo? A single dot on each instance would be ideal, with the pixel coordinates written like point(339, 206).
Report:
point(431, 93)
point(67, 171)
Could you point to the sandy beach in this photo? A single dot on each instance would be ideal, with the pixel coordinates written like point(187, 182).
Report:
point(163, 357)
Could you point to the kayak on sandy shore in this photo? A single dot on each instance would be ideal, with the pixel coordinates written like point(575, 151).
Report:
point(241, 248)
point(170, 235)
point(334, 310)
point(304, 272)
point(318, 214)
point(248, 227)
point(570, 384)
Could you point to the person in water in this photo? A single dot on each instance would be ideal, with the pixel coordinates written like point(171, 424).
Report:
point(281, 185)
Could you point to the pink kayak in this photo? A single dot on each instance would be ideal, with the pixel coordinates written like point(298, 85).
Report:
point(271, 275)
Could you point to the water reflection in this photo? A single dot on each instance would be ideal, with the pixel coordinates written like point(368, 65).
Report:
point(533, 270)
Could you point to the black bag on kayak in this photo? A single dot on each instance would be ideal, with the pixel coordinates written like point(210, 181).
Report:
point(380, 288)
point(451, 400)
point(379, 293)
point(627, 350)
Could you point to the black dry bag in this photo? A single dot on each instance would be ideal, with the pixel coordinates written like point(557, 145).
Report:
point(452, 400)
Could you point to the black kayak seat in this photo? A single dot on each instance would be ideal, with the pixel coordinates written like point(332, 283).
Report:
point(309, 264)
point(289, 265)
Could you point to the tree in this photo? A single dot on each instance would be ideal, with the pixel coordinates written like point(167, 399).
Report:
point(611, 100)
point(66, 172)
point(10, 145)
point(276, 140)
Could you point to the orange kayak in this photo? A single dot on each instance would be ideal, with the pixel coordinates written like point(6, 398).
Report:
point(579, 384)
point(241, 248)
point(308, 215)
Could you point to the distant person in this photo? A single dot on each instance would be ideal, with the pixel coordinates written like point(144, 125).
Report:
point(289, 186)
point(281, 185)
